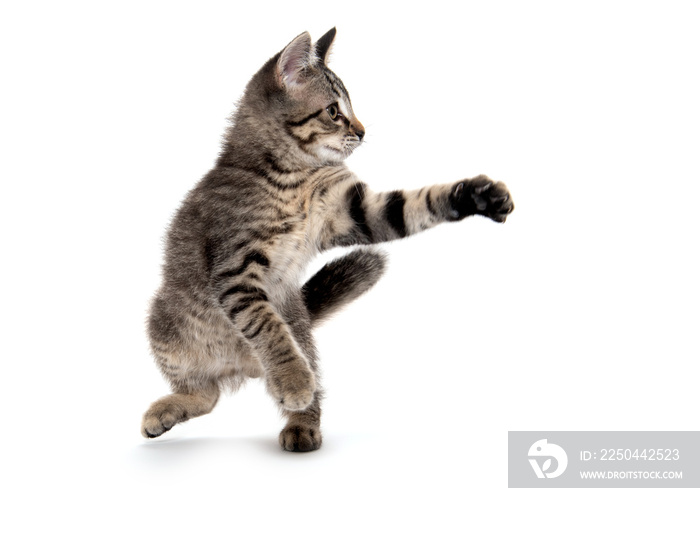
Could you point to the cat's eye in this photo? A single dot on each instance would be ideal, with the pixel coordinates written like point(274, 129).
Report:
point(333, 112)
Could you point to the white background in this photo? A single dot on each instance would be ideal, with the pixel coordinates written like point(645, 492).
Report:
point(580, 313)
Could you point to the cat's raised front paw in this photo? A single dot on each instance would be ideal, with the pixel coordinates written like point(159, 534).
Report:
point(481, 195)
point(300, 438)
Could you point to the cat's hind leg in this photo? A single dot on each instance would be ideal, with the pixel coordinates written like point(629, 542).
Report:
point(303, 429)
point(184, 403)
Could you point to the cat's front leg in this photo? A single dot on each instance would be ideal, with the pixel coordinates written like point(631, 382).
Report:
point(290, 381)
point(353, 214)
point(289, 377)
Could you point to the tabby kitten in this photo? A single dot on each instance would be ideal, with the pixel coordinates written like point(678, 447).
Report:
point(231, 305)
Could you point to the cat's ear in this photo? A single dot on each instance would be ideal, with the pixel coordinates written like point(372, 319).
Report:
point(323, 46)
point(294, 60)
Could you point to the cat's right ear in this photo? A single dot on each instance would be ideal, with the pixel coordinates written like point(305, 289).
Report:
point(293, 62)
point(323, 46)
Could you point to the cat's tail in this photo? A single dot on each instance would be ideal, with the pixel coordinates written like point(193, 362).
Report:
point(341, 281)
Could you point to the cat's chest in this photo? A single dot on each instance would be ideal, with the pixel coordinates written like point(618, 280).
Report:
point(290, 251)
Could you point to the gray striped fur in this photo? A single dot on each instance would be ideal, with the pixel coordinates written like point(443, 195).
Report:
point(231, 304)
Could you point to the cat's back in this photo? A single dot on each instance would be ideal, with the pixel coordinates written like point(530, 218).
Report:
point(208, 226)
point(220, 205)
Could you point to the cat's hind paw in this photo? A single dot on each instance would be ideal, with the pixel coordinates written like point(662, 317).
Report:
point(300, 437)
point(175, 408)
point(159, 422)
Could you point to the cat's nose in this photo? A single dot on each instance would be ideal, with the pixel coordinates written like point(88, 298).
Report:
point(357, 128)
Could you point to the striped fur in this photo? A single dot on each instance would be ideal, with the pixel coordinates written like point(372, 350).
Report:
point(231, 304)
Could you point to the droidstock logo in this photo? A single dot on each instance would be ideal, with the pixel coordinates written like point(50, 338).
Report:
point(541, 455)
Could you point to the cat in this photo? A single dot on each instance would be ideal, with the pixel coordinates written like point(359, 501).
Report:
point(231, 305)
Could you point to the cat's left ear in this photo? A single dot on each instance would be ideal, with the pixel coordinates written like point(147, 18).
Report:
point(294, 60)
point(323, 45)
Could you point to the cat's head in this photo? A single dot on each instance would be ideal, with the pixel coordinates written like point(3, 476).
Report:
point(305, 104)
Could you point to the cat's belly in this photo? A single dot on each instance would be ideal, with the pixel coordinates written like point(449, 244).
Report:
point(199, 342)
point(222, 350)
point(200, 339)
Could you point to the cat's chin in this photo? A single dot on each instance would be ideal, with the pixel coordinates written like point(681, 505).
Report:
point(332, 155)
